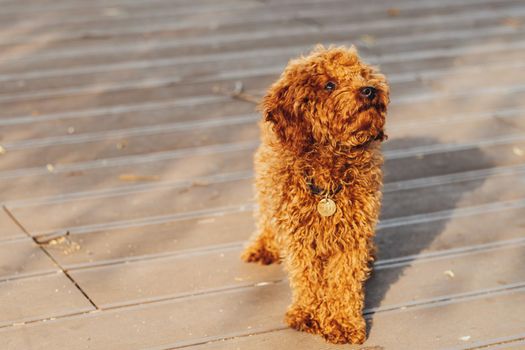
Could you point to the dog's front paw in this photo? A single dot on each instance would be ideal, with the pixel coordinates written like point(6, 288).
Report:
point(258, 253)
point(301, 320)
point(345, 331)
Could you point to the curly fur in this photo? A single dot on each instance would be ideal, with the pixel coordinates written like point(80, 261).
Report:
point(331, 137)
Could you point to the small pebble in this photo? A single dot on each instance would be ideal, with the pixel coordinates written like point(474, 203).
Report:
point(449, 273)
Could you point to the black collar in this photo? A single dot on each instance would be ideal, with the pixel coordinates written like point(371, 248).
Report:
point(321, 191)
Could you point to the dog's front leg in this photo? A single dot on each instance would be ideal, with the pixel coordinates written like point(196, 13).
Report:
point(305, 274)
point(343, 296)
point(327, 286)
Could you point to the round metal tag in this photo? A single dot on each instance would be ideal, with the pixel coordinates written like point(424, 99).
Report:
point(326, 207)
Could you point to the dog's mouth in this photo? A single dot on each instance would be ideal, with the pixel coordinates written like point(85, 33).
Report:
point(381, 136)
point(379, 107)
point(374, 127)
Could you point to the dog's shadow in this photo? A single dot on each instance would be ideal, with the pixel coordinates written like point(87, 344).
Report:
point(400, 239)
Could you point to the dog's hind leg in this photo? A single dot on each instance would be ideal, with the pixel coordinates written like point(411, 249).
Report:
point(261, 250)
point(263, 247)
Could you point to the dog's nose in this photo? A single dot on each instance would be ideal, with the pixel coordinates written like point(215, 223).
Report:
point(368, 92)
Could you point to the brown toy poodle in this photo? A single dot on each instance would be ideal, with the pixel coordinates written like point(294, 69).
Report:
point(318, 187)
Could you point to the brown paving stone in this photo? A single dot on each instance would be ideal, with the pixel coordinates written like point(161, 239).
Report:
point(227, 230)
point(40, 297)
point(22, 257)
point(128, 145)
point(110, 176)
point(167, 114)
point(153, 202)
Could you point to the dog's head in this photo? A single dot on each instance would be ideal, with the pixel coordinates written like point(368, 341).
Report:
point(329, 97)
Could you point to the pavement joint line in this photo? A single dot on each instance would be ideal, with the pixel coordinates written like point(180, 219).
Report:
point(132, 159)
point(159, 219)
point(14, 239)
point(434, 149)
point(60, 7)
point(117, 109)
point(154, 129)
point(29, 320)
point(451, 213)
point(92, 89)
point(130, 189)
point(494, 343)
point(452, 298)
point(24, 276)
point(448, 253)
point(186, 9)
point(158, 256)
point(51, 257)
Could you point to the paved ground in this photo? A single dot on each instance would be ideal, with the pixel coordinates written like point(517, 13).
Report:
point(125, 171)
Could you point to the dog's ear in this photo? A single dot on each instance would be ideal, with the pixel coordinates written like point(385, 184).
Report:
point(280, 108)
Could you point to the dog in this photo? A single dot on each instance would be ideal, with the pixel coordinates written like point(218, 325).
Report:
point(318, 187)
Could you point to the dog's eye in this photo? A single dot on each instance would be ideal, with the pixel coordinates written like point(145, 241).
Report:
point(330, 86)
point(368, 91)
